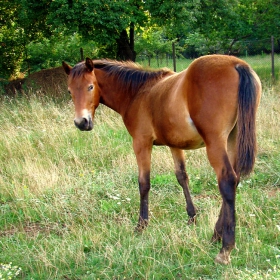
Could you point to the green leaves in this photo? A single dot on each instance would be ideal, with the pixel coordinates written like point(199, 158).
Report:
point(176, 16)
point(202, 26)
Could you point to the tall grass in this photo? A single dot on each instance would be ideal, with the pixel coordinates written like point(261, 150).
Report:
point(69, 201)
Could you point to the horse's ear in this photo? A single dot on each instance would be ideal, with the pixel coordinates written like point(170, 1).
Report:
point(89, 64)
point(67, 68)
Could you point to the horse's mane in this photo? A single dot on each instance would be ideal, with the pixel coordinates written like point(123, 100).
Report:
point(130, 75)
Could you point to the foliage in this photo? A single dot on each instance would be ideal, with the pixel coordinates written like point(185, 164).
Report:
point(11, 51)
point(199, 26)
point(221, 25)
point(49, 53)
point(176, 17)
point(151, 42)
point(104, 21)
point(20, 25)
point(10, 37)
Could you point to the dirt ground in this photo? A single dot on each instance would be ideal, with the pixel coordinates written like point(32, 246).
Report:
point(51, 82)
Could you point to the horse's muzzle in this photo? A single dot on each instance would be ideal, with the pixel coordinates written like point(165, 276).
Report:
point(84, 124)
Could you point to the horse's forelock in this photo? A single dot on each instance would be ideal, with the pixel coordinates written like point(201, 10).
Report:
point(78, 70)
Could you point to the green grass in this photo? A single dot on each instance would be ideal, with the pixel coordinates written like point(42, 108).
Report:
point(69, 201)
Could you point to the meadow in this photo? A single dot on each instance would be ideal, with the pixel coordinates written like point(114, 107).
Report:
point(69, 201)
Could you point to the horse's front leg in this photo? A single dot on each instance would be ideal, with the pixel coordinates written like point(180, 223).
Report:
point(142, 151)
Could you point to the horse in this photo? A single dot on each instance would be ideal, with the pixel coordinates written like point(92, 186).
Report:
point(212, 104)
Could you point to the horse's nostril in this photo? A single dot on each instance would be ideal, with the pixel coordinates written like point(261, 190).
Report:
point(82, 123)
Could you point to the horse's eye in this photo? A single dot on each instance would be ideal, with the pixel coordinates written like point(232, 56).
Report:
point(90, 88)
point(69, 92)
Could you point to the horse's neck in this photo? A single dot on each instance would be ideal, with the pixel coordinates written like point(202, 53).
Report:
point(111, 95)
point(115, 101)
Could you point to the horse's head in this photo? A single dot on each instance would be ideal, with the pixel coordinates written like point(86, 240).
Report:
point(84, 90)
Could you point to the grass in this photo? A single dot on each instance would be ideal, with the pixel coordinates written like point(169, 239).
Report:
point(69, 201)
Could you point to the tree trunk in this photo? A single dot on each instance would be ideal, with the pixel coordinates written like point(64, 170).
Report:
point(125, 47)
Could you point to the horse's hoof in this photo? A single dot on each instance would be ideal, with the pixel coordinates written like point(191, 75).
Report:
point(142, 224)
point(137, 230)
point(192, 220)
point(222, 258)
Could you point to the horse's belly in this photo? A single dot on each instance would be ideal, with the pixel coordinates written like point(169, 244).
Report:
point(179, 133)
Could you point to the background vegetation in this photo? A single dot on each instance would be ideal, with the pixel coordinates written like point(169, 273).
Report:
point(36, 35)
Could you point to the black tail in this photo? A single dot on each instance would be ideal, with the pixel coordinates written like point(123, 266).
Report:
point(246, 123)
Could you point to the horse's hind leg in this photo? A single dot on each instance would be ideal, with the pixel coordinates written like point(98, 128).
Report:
point(231, 149)
point(182, 177)
point(227, 181)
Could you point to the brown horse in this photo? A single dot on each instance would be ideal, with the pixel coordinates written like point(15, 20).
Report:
point(213, 103)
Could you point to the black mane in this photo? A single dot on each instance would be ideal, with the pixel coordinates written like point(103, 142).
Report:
point(129, 75)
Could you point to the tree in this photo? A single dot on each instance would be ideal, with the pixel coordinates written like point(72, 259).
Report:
point(177, 17)
point(152, 42)
point(216, 26)
point(204, 26)
point(19, 26)
point(110, 24)
point(10, 49)
point(48, 53)
point(222, 24)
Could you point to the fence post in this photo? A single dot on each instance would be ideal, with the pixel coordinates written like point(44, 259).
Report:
point(272, 58)
point(174, 56)
point(82, 54)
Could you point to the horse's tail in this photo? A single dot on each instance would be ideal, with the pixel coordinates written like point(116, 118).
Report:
point(248, 100)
